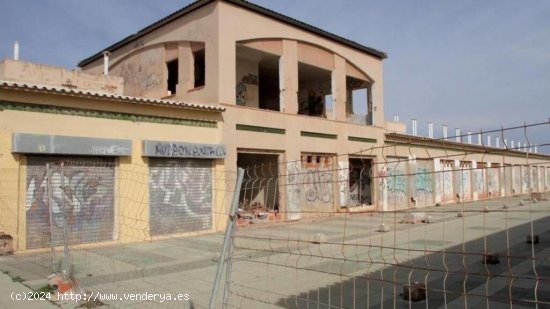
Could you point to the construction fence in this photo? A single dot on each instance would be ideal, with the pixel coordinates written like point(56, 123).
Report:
point(402, 225)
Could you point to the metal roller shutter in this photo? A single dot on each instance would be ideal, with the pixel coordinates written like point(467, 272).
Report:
point(180, 195)
point(88, 198)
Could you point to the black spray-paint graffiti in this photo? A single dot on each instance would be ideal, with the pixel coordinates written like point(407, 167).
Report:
point(318, 185)
point(182, 150)
point(180, 197)
point(87, 200)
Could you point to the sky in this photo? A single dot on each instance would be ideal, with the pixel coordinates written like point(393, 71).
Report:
point(474, 65)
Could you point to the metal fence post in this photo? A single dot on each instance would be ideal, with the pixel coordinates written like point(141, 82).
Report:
point(65, 267)
point(49, 194)
point(227, 243)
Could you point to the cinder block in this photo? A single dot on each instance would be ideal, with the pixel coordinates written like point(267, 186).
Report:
point(414, 217)
point(428, 219)
point(6, 244)
point(416, 291)
point(320, 238)
point(491, 259)
point(533, 239)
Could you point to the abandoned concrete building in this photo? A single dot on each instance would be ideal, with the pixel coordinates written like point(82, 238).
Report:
point(217, 85)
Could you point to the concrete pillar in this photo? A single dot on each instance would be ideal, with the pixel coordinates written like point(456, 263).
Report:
point(382, 173)
point(293, 184)
point(186, 68)
point(473, 181)
point(438, 181)
point(457, 178)
point(339, 88)
point(502, 180)
point(343, 180)
point(288, 75)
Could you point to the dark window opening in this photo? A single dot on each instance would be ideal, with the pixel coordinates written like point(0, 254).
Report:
point(257, 77)
point(359, 101)
point(200, 68)
point(172, 67)
point(360, 182)
point(269, 84)
point(315, 91)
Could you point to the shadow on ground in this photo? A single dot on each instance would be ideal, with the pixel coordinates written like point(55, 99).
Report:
point(451, 277)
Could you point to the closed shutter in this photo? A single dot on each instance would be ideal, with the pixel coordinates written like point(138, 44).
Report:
point(180, 195)
point(88, 199)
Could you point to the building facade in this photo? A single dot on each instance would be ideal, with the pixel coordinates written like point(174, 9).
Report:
point(217, 85)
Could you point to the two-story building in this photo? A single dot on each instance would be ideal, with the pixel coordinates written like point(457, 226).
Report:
point(217, 85)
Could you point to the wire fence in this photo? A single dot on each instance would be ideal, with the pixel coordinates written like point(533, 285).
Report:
point(413, 223)
point(417, 225)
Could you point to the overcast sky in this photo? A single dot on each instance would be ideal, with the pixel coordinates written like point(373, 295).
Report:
point(471, 64)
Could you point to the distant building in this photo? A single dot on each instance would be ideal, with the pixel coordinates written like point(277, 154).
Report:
point(217, 85)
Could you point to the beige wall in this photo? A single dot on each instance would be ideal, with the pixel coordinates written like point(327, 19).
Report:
point(197, 26)
point(236, 24)
point(131, 197)
point(244, 68)
point(34, 73)
point(220, 25)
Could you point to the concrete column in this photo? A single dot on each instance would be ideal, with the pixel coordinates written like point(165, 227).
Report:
point(339, 88)
point(288, 75)
point(186, 67)
point(438, 181)
point(502, 180)
point(473, 180)
point(457, 179)
point(382, 186)
point(292, 184)
point(343, 180)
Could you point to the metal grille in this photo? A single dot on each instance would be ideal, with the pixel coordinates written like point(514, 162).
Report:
point(87, 198)
point(180, 195)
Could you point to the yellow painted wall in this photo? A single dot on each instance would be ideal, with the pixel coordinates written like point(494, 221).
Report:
point(132, 183)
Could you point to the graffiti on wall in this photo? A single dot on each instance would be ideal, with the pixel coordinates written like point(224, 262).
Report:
point(87, 200)
point(493, 183)
point(142, 72)
point(396, 183)
point(310, 185)
point(447, 175)
point(241, 94)
point(180, 196)
point(318, 185)
point(343, 182)
point(423, 184)
point(463, 183)
point(480, 181)
point(294, 190)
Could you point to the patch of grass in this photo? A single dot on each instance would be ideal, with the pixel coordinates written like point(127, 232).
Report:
point(91, 304)
point(46, 289)
point(17, 279)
